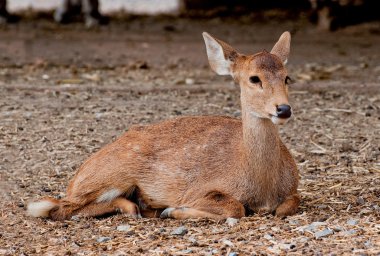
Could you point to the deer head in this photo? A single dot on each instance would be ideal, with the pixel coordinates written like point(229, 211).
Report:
point(262, 77)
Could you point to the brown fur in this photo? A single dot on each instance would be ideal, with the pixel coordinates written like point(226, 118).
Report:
point(204, 166)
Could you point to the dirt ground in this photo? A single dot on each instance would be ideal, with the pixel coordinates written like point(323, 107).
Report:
point(66, 91)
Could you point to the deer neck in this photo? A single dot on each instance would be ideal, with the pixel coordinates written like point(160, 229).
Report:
point(261, 144)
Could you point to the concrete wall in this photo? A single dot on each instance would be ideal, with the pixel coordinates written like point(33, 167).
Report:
point(106, 6)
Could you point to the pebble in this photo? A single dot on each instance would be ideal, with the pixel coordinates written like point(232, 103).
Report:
point(349, 232)
point(75, 218)
point(45, 76)
point(313, 226)
point(287, 246)
point(189, 81)
point(233, 254)
point(103, 239)
point(323, 233)
point(228, 243)
point(360, 200)
point(123, 228)
point(237, 113)
point(352, 222)
point(232, 221)
point(268, 237)
point(193, 241)
point(180, 231)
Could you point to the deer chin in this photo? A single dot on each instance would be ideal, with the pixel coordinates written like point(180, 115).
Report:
point(278, 120)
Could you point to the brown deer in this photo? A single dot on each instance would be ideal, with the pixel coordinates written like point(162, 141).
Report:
point(202, 166)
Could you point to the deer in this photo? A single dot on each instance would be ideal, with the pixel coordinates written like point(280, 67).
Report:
point(213, 167)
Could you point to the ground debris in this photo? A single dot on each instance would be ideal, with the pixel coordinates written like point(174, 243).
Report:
point(181, 231)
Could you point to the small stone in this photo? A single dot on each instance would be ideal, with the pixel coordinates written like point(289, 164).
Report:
point(293, 222)
point(189, 81)
point(233, 254)
point(268, 237)
point(237, 113)
point(75, 245)
point(179, 231)
point(45, 77)
point(228, 243)
point(75, 218)
point(123, 228)
point(232, 221)
point(103, 239)
point(323, 233)
point(352, 222)
point(263, 227)
point(214, 251)
point(313, 226)
point(193, 241)
point(349, 232)
point(287, 246)
point(186, 251)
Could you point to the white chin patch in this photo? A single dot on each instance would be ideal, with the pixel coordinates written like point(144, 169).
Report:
point(279, 121)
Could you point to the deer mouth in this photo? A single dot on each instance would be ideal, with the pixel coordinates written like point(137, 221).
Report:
point(278, 120)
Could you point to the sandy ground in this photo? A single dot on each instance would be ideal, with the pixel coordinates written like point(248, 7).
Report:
point(66, 92)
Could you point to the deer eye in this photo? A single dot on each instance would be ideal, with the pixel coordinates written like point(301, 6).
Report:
point(288, 80)
point(254, 79)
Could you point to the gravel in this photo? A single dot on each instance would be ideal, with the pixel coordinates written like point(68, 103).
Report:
point(323, 233)
point(181, 231)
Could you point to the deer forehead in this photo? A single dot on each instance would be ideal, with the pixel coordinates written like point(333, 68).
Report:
point(265, 64)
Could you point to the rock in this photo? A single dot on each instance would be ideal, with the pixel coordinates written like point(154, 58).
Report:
point(186, 251)
point(75, 218)
point(215, 251)
point(75, 245)
point(293, 222)
point(193, 241)
point(189, 81)
point(368, 243)
point(352, 222)
point(232, 221)
point(323, 233)
point(349, 232)
point(233, 254)
point(286, 246)
point(360, 200)
point(123, 228)
point(313, 226)
point(181, 231)
point(268, 237)
point(45, 77)
point(228, 243)
point(103, 239)
point(237, 113)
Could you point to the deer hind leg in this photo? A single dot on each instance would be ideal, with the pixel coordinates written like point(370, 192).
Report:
point(213, 205)
point(95, 209)
point(289, 206)
point(108, 202)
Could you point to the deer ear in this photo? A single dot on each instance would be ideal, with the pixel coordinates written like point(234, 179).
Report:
point(220, 55)
point(282, 48)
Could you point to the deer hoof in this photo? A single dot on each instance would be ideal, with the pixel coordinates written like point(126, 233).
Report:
point(166, 213)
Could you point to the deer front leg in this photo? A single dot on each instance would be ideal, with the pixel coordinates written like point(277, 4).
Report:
point(214, 205)
point(289, 206)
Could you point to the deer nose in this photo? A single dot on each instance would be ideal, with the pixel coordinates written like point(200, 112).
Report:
point(284, 111)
